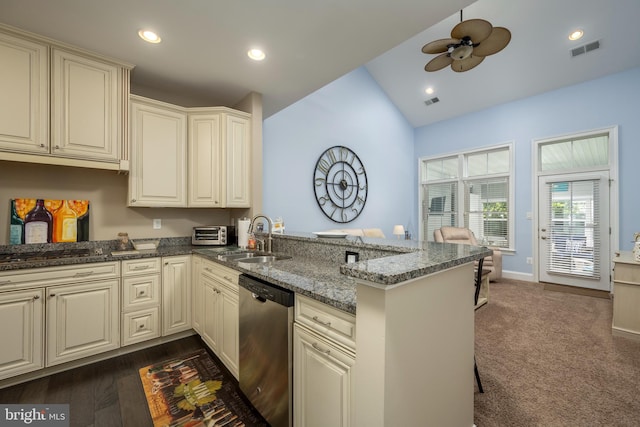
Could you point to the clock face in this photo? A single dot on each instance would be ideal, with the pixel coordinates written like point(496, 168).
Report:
point(340, 184)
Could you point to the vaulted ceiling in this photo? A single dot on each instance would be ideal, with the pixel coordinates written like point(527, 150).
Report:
point(202, 58)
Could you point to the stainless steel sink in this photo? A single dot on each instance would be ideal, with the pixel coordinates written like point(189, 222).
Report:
point(253, 257)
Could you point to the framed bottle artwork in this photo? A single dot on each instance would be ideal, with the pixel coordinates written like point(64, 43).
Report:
point(48, 221)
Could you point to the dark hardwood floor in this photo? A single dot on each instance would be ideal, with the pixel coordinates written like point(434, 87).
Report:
point(106, 393)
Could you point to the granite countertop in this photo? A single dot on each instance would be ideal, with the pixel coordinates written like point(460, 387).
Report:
point(308, 272)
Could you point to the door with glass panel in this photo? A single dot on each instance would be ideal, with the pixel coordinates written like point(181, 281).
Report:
point(573, 213)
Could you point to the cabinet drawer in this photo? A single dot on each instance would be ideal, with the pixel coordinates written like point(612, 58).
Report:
point(328, 321)
point(628, 273)
point(140, 291)
point(135, 267)
point(220, 272)
point(65, 274)
point(140, 326)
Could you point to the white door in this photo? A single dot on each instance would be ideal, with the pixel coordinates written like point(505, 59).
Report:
point(574, 230)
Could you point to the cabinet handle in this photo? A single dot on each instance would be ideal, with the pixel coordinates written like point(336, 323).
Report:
point(229, 279)
point(41, 145)
point(141, 293)
point(141, 327)
point(166, 263)
point(317, 347)
point(57, 147)
point(5, 282)
point(321, 322)
point(208, 269)
point(84, 274)
point(141, 267)
point(36, 297)
point(133, 200)
point(52, 295)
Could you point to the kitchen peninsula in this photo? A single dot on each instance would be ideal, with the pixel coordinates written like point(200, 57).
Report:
point(412, 304)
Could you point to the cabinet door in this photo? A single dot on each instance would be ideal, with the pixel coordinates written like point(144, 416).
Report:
point(24, 85)
point(85, 102)
point(197, 304)
point(21, 314)
point(237, 155)
point(158, 156)
point(205, 164)
point(176, 294)
point(229, 346)
point(82, 320)
point(211, 315)
point(322, 381)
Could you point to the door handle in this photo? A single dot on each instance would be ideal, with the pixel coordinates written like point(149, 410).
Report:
point(543, 237)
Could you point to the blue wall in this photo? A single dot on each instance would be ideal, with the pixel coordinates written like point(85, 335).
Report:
point(596, 104)
point(354, 112)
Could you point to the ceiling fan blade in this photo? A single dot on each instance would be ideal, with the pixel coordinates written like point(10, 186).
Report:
point(439, 46)
point(466, 64)
point(438, 63)
point(476, 29)
point(497, 41)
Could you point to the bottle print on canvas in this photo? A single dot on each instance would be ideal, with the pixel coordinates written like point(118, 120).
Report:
point(38, 224)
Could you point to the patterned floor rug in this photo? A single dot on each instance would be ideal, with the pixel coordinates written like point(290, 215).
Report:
point(192, 391)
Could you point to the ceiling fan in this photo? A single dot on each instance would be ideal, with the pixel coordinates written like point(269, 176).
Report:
point(471, 41)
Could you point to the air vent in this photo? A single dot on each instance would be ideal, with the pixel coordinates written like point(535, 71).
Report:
point(431, 101)
point(585, 48)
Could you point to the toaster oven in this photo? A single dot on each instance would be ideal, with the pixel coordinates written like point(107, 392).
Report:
point(213, 235)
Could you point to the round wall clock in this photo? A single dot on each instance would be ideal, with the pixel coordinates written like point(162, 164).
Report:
point(340, 184)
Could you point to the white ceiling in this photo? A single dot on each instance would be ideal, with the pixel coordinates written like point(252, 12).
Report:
point(309, 43)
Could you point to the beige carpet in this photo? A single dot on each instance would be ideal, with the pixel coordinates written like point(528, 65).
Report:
point(549, 359)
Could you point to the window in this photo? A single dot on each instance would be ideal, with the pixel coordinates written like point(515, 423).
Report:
point(470, 189)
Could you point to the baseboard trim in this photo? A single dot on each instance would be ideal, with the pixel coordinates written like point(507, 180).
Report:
point(516, 275)
point(576, 290)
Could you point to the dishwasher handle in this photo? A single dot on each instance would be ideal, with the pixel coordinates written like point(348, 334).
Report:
point(258, 298)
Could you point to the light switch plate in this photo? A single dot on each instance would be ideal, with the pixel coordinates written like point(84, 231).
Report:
point(157, 224)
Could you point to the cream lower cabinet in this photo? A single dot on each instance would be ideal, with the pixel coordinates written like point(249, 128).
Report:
point(22, 333)
point(218, 312)
point(82, 320)
point(626, 296)
point(176, 294)
point(323, 361)
point(141, 297)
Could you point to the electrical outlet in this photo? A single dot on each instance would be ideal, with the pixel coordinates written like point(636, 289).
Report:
point(529, 260)
point(157, 224)
point(350, 257)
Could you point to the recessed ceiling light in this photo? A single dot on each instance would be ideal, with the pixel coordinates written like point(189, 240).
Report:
point(256, 54)
point(429, 90)
point(576, 35)
point(149, 36)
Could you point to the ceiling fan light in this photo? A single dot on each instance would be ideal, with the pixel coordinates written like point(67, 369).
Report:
point(461, 52)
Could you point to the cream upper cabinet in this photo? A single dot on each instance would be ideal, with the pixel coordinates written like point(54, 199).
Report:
point(237, 147)
point(85, 107)
point(158, 154)
point(24, 85)
point(219, 158)
point(61, 105)
point(188, 157)
point(205, 160)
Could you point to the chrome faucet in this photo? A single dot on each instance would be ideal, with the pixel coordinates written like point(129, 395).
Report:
point(270, 225)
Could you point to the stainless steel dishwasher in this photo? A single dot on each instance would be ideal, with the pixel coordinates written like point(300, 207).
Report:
point(266, 322)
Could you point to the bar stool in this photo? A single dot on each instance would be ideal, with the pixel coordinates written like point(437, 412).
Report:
point(478, 283)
